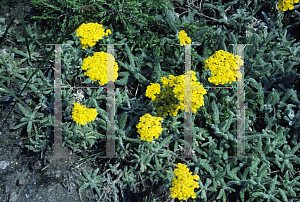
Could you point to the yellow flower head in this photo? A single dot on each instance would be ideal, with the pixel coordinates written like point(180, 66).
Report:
point(172, 96)
point(97, 67)
point(184, 38)
point(284, 5)
point(184, 185)
point(82, 115)
point(149, 126)
point(91, 33)
point(223, 67)
point(152, 90)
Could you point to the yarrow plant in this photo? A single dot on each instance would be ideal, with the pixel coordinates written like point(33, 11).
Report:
point(82, 115)
point(149, 126)
point(168, 97)
point(171, 98)
point(97, 67)
point(223, 66)
point(184, 185)
point(91, 33)
point(284, 5)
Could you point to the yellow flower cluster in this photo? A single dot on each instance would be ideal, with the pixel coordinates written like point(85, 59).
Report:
point(171, 98)
point(152, 89)
point(82, 115)
point(184, 185)
point(184, 38)
point(223, 66)
point(91, 33)
point(149, 126)
point(284, 5)
point(97, 67)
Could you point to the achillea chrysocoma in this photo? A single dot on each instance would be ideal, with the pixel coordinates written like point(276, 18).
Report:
point(91, 33)
point(284, 5)
point(184, 185)
point(149, 126)
point(184, 38)
point(171, 98)
point(82, 115)
point(223, 67)
point(97, 67)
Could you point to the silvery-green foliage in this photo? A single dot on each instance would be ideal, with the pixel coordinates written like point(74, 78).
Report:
point(106, 188)
point(3, 29)
point(35, 35)
point(91, 180)
point(41, 141)
point(9, 67)
point(29, 57)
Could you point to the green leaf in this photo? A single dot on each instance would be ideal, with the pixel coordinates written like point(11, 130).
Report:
point(282, 193)
point(296, 148)
point(148, 159)
point(81, 75)
point(88, 176)
point(130, 55)
point(123, 81)
point(204, 144)
point(165, 155)
point(19, 125)
point(123, 120)
point(141, 78)
point(25, 112)
point(218, 152)
point(220, 194)
point(100, 111)
point(29, 126)
point(216, 112)
point(175, 146)
point(225, 155)
point(165, 141)
point(84, 186)
point(30, 147)
point(207, 167)
point(157, 162)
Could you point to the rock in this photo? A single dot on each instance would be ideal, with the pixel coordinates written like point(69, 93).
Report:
point(3, 164)
point(21, 181)
point(7, 188)
point(3, 179)
point(13, 197)
point(31, 188)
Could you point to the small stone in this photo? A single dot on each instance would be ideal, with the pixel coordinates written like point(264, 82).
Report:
point(3, 179)
point(28, 100)
point(3, 164)
point(31, 188)
point(13, 197)
point(7, 188)
point(21, 181)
